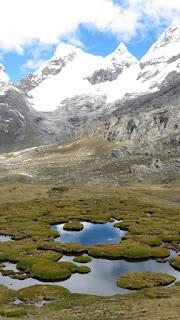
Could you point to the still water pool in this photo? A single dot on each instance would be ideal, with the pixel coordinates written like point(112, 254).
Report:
point(92, 233)
point(104, 273)
point(102, 278)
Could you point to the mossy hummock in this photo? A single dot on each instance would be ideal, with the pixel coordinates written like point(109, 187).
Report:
point(175, 263)
point(50, 271)
point(44, 269)
point(128, 249)
point(73, 226)
point(82, 259)
point(42, 292)
point(140, 280)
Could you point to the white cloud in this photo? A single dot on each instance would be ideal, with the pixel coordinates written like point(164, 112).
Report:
point(158, 12)
point(33, 64)
point(76, 42)
point(23, 22)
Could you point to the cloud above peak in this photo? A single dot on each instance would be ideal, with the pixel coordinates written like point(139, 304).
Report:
point(47, 21)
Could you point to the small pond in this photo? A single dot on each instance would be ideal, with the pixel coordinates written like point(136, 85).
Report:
point(104, 273)
point(102, 278)
point(92, 234)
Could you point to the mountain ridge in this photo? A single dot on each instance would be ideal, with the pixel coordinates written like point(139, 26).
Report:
point(142, 125)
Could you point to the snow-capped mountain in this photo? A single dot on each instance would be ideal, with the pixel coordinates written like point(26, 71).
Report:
point(161, 60)
point(3, 75)
point(72, 72)
point(133, 103)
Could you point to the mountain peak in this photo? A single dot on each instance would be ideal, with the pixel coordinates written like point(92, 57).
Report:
point(121, 48)
point(166, 47)
point(120, 54)
point(66, 49)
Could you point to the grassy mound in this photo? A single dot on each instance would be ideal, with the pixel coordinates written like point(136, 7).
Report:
point(128, 249)
point(50, 271)
point(13, 251)
point(6, 295)
point(175, 263)
point(69, 266)
point(65, 248)
point(147, 239)
point(140, 280)
point(27, 263)
point(73, 226)
point(84, 269)
point(47, 270)
point(82, 259)
point(42, 292)
point(51, 255)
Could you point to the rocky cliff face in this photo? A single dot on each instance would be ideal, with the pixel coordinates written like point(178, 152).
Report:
point(146, 125)
point(20, 125)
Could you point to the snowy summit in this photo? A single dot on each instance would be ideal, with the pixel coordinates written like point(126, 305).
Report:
point(72, 72)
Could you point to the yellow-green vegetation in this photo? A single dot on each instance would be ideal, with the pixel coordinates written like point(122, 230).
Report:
point(50, 271)
point(82, 259)
point(150, 213)
point(140, 280)
point(64, 248)
point(14, 250)
point(175, 262)
point(151, 303)
point(73, 226)
point(147, 213)
point(27, 262)
point(147, 239)
point(13, 312)
point(42, 292)
point(7, 310)
point(50, 254)
point(128, 249)
point(6, 295)
point(44, 269)
point(84, 269)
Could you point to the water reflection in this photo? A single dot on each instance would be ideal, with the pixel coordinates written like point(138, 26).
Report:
point(5, 238)
point(104, 273)
point(91, 234)
point(102, 278)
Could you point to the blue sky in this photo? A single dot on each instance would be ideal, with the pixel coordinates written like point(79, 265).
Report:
point(32, 29)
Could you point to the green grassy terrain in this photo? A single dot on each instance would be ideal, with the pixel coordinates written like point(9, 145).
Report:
point(151, 214)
